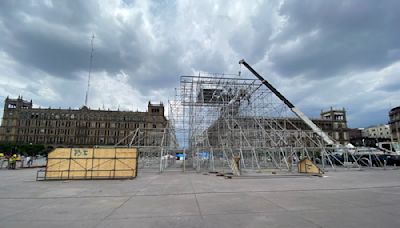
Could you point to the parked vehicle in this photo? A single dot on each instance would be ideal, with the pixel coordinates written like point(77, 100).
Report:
point(391, 151)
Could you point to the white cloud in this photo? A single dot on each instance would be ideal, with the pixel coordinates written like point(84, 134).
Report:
point(113, 92)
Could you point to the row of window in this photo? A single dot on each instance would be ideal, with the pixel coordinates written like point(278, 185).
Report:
point(339, 135)
point(68, 116)
point(72, 140)
point(155, 110)
point(72, 132)
point(395, 116)
point(288, 126)
point(53, 123)
point(86, 140)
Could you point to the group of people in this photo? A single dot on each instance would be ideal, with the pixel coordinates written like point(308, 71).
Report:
point(13, 159)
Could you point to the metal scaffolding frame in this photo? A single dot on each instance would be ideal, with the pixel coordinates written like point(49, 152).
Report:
point(226, 123)
point(219, 117)
point(156, 146)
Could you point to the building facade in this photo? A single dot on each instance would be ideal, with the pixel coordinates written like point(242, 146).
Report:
point(333, 122)
point(381, 131)
point(355, 133)
point(394, 122)
point(369, 137)
point(24, 124)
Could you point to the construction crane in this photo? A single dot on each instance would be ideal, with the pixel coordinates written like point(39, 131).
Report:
point(295, 110)
point(90, 71)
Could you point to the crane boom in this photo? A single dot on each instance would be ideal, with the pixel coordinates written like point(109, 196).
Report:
point(296, 111)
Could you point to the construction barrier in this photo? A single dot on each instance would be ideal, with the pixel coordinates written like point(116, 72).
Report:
point(307, 166)
point(90, 163)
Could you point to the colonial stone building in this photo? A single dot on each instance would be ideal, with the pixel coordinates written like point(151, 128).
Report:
point(381, 131)
point(394, 122)
point(333, 122)
point(74, 127)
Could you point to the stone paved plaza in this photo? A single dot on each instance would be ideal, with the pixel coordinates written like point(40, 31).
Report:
point(369, 198)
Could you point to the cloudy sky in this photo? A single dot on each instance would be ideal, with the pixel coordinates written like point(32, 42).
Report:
point(318, 53)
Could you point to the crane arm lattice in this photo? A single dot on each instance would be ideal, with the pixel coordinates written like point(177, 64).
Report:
point(295, 110)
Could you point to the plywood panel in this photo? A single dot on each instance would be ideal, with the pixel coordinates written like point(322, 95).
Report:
point(92, 163)
point(307, 166)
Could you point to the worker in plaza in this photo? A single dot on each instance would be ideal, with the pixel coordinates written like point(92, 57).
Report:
point(29, 161)
point(21, 159)
point(12, 161)
point(3, 159)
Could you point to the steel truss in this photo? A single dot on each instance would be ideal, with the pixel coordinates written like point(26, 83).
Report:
point(219, 117)
point(156, 147)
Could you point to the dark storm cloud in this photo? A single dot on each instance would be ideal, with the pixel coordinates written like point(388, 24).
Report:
point(391, 85)
point(30, 40)
point(326, 38)
point(72, 14)
point(56, 39)
point(253, 41)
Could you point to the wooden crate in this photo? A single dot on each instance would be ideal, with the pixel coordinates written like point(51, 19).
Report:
point(91, 163)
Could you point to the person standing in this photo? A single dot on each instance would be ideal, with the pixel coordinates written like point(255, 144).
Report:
point(3, 159)
point(29, 161)
point(22, 159)
point(12, 161)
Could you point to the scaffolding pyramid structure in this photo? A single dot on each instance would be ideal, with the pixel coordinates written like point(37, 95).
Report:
point(219, 117)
